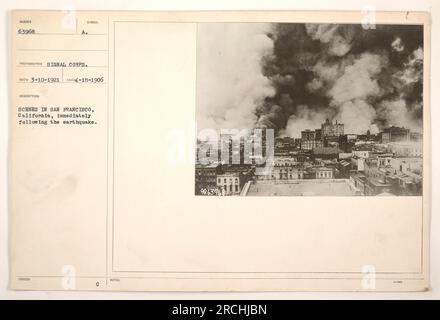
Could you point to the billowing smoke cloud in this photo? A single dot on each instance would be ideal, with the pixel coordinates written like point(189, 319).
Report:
point(396, 111)
point(302, 120)
point(230, 82)
point(337, 38)
point(358, 81)
point(291, 77)
point(366, 79)
point(357, 116)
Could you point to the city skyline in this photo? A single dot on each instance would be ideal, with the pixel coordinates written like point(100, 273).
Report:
point(344, 103)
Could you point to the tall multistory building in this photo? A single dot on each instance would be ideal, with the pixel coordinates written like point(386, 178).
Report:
point(328, 128)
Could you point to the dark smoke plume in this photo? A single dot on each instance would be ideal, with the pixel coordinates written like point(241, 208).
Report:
point(291, 77)
point(366, 78)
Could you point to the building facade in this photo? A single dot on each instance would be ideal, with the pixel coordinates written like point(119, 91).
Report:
point(395, 134)
point(205, 178)
point(229, 183)
point(310, 144)
point(324, 173)
point(310, 139)
point(328, 128)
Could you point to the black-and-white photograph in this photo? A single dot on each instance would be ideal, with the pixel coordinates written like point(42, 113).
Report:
point(293, 109)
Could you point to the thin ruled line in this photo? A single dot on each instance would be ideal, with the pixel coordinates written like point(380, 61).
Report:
point(34, 49)
point(65, 34)
point(229, 278)
point(262, 272)
point(43, 66)
point(267, 278)
point(107, 189)
point(415, 23)
point(113, 149)
point(61, 82)
point(93, 277)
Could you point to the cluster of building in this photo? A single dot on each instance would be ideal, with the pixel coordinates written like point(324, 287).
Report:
point(222, 179)
point(387, 163)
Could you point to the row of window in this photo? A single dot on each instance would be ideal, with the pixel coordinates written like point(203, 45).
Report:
point(325, 174)
point(288, 164)
point(224, 180)
point(231, 187)
point(290, 170)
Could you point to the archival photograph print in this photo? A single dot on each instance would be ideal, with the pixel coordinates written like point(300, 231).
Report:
point(293, 109)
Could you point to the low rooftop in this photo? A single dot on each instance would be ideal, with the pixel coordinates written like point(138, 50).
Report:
point(303, 187)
